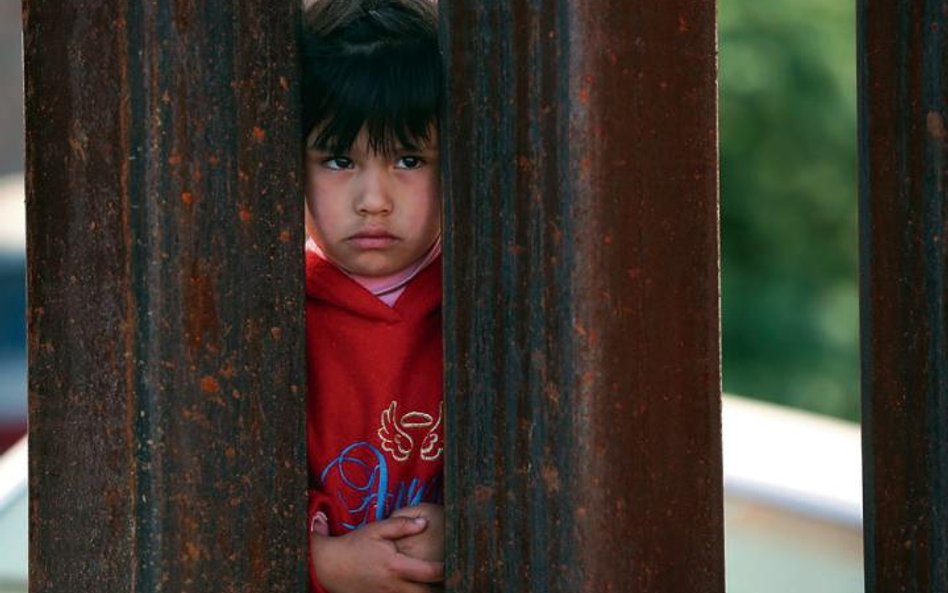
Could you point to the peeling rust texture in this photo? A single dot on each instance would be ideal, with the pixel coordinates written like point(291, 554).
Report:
point(581, 297)
point(166, 347)
point(903, 89)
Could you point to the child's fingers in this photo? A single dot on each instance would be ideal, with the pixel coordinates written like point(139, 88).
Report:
point(319, 525)
point(417, 570)
point(397, 527)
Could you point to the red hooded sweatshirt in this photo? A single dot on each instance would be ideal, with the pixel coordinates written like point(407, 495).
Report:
point(374, 403)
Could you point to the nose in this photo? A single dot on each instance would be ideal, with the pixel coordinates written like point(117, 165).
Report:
point(373, 198)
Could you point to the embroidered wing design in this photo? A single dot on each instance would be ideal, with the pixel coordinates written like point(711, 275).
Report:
point(431, 446)
point(394, 439)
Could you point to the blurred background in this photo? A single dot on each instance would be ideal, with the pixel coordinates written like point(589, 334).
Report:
point(789, 296)
point(788, 203)
point(12, 231)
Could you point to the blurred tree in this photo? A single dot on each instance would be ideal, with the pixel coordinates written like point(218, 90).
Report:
point(789, 210)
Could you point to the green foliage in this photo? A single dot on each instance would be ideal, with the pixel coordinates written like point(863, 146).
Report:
point(789, 209)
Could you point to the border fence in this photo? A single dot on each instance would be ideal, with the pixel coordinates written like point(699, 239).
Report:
point(581, 296)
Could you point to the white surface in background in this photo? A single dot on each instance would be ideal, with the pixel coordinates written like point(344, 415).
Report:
point(13, 514)
point(786, 458)
point(12, 214)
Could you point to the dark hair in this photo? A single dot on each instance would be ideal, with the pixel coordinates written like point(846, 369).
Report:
point(372, 64)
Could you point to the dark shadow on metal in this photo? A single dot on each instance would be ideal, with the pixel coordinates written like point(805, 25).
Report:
point(581, 304)
point(165, 279)
point(903, 86)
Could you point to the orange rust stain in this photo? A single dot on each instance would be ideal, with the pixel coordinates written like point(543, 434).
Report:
point(551, 478)
point(259, 134)
point(556, 233)
point(284, 236)
point(276, 333)
point(245, 215)
point(187, 198)
point(192, 552)
point(936, 125)
point(201, 311)
point(552, 393)
point(174, 160)
point(584, 89)
point(284, 83)
point(210, 385)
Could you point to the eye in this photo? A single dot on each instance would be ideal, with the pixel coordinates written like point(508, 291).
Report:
point(409, 162)
point(337, 163)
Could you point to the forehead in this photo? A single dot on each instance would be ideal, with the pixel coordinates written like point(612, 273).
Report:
point(363, 143)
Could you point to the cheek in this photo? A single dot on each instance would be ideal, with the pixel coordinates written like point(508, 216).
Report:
point(318, 190)
point(428, 213)
point(432, 192)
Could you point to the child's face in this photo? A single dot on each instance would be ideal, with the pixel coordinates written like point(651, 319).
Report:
point(374, 214)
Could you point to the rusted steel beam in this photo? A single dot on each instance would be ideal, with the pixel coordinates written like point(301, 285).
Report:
point(903, 85)
point(581, 297)
point(165, 282)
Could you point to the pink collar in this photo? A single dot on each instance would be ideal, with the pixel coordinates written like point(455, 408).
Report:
point(386, 288)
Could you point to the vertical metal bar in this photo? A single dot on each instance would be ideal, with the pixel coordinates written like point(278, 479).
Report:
point(165, 279)
point(581, 297)
point(903, 87)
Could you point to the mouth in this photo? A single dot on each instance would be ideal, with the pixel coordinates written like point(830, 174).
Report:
point(373, 239)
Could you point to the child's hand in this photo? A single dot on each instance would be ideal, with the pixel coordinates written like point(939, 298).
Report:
point(429, 544)
point(367, 561)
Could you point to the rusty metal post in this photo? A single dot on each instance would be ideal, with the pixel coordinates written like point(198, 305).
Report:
point(903, 70)
point(165, 282)
point(581, 297)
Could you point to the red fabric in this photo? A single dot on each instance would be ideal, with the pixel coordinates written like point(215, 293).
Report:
point(10, 433)
point(374, 423)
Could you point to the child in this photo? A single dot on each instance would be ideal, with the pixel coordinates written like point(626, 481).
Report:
point(371, 93)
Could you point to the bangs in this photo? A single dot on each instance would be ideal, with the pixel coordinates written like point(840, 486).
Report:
point(394, 93)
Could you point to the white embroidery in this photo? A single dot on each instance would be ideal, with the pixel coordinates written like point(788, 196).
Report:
point(396, 433)
point(431, 449)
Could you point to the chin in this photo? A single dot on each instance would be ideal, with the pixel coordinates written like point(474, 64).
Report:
point(374, 271)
